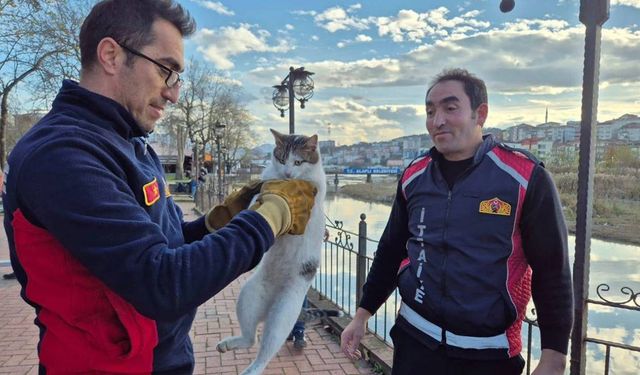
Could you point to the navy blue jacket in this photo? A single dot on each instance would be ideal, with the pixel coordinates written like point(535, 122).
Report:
point(100, 247)
point(465, 272)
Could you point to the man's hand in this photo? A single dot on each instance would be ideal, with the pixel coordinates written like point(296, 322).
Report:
point(237, 201)
point(551, 363)
point(286, 205)
point(353, 334)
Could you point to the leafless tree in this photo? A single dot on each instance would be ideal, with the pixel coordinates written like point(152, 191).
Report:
point(38, 44)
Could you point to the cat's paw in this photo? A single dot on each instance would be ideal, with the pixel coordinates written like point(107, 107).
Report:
point(222, 346)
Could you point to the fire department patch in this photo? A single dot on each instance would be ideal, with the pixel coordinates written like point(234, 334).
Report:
point(151, 192)
point(495, 206)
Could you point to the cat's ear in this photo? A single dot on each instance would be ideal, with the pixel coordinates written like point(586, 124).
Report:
point(312, 143)
point(278, 137)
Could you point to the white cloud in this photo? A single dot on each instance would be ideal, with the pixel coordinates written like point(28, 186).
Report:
point(226, 80)
point(630, 3)
point(528, 65)
point(304, 12)
point(413, 26)
point(315, 38)
point(218, 46)
point(360, 38)
point(215, 6)
point(363, 38)
point(336, 18)
point(353, 121)
point(289, 26)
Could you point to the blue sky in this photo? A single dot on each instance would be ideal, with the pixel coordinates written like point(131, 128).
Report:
point(373, 59)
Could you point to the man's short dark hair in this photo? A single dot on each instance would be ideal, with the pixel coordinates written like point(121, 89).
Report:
point(129, 22)
point(474, 87)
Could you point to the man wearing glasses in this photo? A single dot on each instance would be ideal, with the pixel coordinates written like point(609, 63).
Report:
point(97, 243)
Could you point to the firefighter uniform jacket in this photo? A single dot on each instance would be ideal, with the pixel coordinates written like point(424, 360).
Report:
point(100, 247)
point(464, 270)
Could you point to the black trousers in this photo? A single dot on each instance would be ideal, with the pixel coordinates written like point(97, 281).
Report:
point(412, 357)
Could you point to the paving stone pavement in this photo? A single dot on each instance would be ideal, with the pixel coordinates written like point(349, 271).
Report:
point(215, 320)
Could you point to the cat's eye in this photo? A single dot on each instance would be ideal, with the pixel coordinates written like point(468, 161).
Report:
point(298, 163)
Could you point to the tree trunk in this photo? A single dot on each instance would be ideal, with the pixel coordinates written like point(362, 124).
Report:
point(4, 120)
point(195, 161)
point(181, 137)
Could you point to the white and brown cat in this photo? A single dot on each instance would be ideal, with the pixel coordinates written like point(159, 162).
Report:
point(275, 291)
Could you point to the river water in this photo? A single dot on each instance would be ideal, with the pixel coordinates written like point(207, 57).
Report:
point(617, 265)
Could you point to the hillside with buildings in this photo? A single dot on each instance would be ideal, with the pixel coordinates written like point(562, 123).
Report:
point(550, 141)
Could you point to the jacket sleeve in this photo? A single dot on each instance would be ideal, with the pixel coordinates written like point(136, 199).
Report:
point(544, 238)
point(80, 195)
point(194, 230)
point(382, 279)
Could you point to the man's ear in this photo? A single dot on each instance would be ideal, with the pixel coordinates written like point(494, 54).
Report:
point(481, 114)
point(110, 56)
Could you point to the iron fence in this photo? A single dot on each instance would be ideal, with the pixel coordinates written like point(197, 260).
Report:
point(345, 264)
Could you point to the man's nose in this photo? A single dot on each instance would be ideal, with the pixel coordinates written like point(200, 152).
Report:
point(171, 94)
point(438, 119)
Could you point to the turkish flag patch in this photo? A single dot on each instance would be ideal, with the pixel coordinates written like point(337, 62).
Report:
point(151, 192)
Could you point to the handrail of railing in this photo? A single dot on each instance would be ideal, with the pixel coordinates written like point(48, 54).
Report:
point(338, 224)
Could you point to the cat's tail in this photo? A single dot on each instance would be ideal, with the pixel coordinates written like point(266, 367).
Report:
point(309, 315)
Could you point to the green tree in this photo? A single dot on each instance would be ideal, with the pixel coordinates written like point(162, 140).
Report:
point(620, 157)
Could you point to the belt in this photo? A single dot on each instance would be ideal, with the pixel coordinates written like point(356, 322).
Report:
point(465, 342)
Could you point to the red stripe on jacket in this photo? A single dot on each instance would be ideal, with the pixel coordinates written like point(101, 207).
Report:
point(87, 327)
point(518, 270)
point(418, 166)
point(516, 160)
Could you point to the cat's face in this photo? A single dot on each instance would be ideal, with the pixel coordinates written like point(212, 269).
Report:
point(295, 156)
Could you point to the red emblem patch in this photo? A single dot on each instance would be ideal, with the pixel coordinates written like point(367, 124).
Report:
point(151, 192)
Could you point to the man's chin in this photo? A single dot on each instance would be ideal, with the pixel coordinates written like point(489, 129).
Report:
point(147, 126)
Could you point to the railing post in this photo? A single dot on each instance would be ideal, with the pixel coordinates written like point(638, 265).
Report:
point(361, 268)
point(593, 14)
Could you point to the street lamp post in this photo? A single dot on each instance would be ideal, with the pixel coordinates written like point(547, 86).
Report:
point(218, 131)
point(296, 85)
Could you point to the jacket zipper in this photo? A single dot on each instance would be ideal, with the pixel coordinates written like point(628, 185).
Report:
point(443, 282)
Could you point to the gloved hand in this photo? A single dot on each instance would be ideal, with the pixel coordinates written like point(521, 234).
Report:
point(237, 201)
point(286, 205)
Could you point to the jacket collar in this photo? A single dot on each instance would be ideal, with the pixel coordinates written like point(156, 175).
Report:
point(488, 143)
point(97, 109)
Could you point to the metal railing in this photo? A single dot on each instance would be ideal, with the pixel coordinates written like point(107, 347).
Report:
point(344, 269)
point(632, 298)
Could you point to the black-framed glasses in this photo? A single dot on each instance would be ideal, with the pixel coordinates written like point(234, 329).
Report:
point(173, 77)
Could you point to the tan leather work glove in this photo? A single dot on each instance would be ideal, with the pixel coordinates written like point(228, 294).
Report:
point(239, 200)
point(286, 205)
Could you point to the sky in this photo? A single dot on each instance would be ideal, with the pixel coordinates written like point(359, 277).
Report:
point(373, 60)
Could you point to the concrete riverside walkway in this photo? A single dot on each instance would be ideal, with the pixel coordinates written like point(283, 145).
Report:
point(215, 320)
